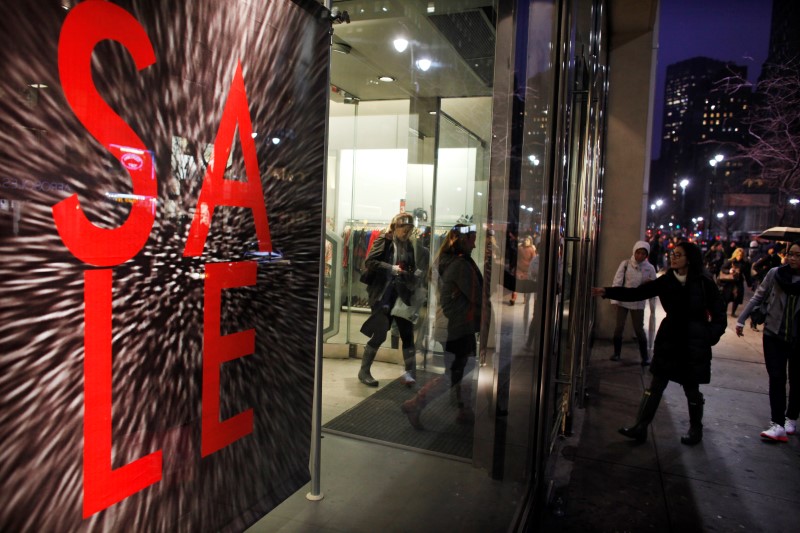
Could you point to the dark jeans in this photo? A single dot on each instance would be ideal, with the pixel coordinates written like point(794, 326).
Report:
point(777, 353)
point(405, 328)
point(637, 321)
point(691, 390)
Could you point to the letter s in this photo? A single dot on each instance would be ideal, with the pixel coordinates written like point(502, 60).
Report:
point(88, 24)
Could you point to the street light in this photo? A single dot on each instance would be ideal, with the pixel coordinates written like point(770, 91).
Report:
point(714, 161)
point(657, 204)
point(683, 183)
point(726, 222)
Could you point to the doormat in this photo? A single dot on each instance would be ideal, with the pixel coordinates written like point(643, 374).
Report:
point(379, 417)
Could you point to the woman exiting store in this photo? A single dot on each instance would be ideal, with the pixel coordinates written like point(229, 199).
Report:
point(390, 274)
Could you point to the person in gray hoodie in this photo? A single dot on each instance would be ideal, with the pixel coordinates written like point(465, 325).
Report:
point(631, 273)
point(778, 298)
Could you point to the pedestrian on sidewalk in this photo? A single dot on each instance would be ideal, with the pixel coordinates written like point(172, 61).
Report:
point(778, 297)
point(632, 272)
point(694, 323)
point(732, 276)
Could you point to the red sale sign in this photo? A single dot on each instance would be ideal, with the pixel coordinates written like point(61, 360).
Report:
point(165, 331)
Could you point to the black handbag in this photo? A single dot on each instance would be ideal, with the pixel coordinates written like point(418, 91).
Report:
point(758, 316)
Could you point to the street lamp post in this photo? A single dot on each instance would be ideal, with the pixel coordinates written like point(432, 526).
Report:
point(653, 207)
point(713, 162)
point(684, 182)
point(726, 219)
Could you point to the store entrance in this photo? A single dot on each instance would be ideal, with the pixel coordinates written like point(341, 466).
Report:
point(415, 156)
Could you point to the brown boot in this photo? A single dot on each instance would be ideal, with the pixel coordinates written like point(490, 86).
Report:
point(413, 407)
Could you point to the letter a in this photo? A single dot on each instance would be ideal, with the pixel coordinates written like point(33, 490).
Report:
point(216, 189)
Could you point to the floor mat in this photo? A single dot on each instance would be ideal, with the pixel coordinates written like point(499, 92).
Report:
point(379, 417)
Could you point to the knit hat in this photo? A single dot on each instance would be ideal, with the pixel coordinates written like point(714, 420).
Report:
point(641, 244)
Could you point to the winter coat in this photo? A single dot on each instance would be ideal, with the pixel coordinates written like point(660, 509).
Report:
point(460, 297)
point(733, 291)
point(632, 274)
point(776, 298)
point(379, 263)
point(525, 255)
point(694, 323)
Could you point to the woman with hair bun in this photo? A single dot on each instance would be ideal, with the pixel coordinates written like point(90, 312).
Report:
point(458, 319)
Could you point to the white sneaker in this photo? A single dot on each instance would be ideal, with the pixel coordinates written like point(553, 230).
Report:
point(775, 432)
point(407, 379)
point(790, 426)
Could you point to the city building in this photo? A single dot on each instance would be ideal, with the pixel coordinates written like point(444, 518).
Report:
point(701, 121)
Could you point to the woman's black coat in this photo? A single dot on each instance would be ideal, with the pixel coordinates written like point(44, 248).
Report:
point(733, 291)
point(379, 267)
point(694, 323)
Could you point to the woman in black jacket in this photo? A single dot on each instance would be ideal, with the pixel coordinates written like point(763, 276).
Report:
point(390, 274)
point(694, 323)
point(458, 319)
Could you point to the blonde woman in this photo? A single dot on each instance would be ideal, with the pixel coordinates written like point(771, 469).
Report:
point(734, 272)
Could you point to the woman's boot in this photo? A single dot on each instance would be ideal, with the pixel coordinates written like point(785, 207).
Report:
point(695, 433)
point(647, 411)
point(366, 362)
point(464, 395)
point(617, 348)
point(409, 377)
point(413, 407)
point(643, 352)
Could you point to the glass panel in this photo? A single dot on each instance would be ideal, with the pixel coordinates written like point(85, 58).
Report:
point(415, 142)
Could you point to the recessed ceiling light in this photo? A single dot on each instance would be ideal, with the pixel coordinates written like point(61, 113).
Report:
point(431, 112)
point(38, 85)
point(424, 64)
point(386, 78)
point(400, 44)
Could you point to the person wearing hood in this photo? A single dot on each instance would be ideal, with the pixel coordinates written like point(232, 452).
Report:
point(694, 323)
point(778, 297)
point(632, 273)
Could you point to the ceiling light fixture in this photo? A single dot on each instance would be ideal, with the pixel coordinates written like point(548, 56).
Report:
point(424, 64)
point(387, 79)
point(400, 44)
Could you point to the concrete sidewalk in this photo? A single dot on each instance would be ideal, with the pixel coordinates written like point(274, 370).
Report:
point(731, 481)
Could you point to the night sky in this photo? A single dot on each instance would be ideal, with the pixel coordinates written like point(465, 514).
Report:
point(728, 30)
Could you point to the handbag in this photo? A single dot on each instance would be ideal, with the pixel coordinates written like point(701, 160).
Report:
point(727, 276)
point(758, 315)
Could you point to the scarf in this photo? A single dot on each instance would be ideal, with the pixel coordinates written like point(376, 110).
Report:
point(784, 279)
